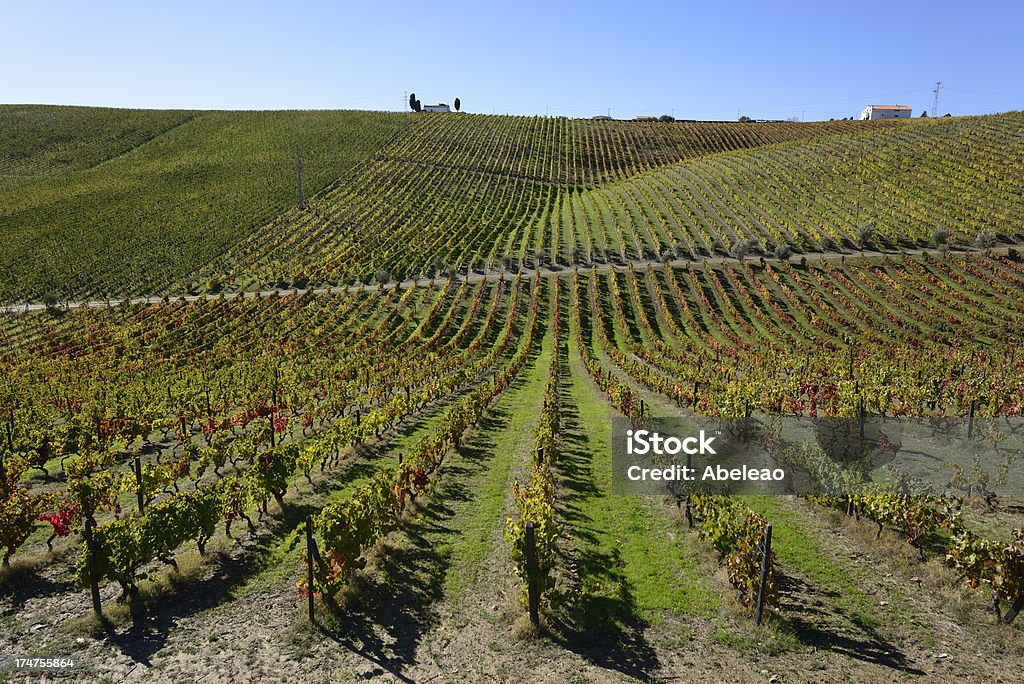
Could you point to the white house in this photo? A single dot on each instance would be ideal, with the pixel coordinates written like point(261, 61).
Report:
point(436, 108)
point(875, 112)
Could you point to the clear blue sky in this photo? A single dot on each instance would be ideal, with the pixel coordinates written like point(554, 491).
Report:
point(772, 59)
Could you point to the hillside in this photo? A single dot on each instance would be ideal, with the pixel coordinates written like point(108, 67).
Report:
point(37, 141)
point(496, 193)
point(101, 202)
point(112, 203)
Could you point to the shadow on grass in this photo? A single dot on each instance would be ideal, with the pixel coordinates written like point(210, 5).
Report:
point(805, 610)
point(389, 610)
point(605, 629)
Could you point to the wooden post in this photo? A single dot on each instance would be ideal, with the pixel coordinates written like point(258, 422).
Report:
point(860, 411)
point(90, 549)
point(746, 421)
point(643, 408)
point(533, 591)
point(540, 455)
point(970, 420)
point(309, 568)
point(138, 486)
point(1014, 610)
point(766, 549)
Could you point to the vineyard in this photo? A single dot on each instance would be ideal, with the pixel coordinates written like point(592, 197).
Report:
point(106, 203)
point(391, 458)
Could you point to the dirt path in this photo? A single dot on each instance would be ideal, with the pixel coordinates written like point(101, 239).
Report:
point(475, 277)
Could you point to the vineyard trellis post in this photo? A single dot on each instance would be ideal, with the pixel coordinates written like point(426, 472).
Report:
point(766, 550)
point(860, 416)
point(970, 420)
point(746, 420)
point(310, 552)
point(90, 549)
point(532, 590)
point(138, 485)
point(1014, 610)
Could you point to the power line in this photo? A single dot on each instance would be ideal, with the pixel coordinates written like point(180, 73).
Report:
point(935, 102)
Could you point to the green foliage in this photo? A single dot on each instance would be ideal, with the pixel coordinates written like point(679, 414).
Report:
point(268, 476)
point(17, 520)
point(37, 141)
point(995, 563)
point(534, 503)
point(116, 554)
point(736, 532)
point(986, 239)
point(121, 547)
point(350, 527)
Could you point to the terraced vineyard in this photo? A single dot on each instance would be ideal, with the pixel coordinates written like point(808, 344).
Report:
point(502, 192)
point(176, 453)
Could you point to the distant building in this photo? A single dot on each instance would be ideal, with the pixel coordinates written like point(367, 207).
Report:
point(602, 117)
point(437, 108)
point(876, 112)
point(645, 118)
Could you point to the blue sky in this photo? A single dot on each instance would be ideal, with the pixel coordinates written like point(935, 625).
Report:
point(778, 59)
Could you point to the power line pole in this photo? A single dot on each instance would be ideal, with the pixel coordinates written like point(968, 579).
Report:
point(298, 174)
point(935, 102)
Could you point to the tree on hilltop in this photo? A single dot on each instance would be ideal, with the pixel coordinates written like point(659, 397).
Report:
point(458, 104)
